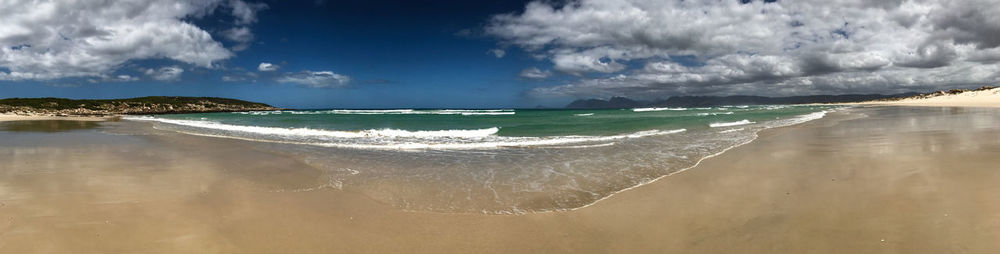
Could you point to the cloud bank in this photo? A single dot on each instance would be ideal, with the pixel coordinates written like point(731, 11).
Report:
point(44, 40)
point(316, 79)
point(650, 48)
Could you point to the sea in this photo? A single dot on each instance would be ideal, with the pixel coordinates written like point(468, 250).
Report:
point(495, 161)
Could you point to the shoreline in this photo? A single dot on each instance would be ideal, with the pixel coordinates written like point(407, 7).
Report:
point(757, 135)
point(984, 104)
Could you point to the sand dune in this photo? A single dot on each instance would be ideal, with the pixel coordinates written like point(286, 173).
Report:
point(981, 98)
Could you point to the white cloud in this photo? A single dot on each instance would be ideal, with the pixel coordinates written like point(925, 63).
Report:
point(123, 78)
point(793, 47)
point(535, 73)
point(267, 67)
point(238, 34)
point(41, 40)
point(316, 79)
point(245, 13)
point(113, 78)
point(242, 35)
point(499, 53)
point(169, 73)
point(239, 75)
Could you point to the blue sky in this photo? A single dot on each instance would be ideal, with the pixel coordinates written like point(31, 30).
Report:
point(491, 54)
point(411, 55)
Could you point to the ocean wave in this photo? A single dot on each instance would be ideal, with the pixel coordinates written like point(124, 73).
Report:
point(465, 112)
point(586, 114)
point(505, 142)
point(732, 130)
point(382, 133)
point(805, 118)
point(656, 109)
point(261, 113)
point(392, 139)
point(585, 146)
point(715, 113)
point(741, 122)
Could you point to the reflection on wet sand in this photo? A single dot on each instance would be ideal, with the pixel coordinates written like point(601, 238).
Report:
point(48, 125)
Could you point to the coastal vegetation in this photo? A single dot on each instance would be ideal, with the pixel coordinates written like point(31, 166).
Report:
point(131, 106)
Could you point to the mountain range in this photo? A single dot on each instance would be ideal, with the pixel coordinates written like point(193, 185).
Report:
point(709, 101)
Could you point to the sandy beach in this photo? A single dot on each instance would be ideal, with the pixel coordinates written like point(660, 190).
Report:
point(985, 98)
point(863, 180)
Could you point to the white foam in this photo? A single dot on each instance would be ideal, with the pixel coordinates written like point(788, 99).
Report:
point(464, 112)
point(586, 114)
point(261, 113)
point(484, 113)
point(656, 109)
point(393, 139)
point(807, 117)
point(715, 113)
point(741, 122)
point(732, 130)
point(325, 133)
point(503, 142)
point(585, 146)
point(797, 120)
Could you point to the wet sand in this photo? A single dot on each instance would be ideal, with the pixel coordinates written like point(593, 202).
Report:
point(869, 180)
point(12, 117)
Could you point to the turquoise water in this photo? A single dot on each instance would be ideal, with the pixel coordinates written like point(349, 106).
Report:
point(463, 129)
point(496, 160)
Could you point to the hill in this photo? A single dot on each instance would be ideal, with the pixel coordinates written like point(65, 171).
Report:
point(132, 106)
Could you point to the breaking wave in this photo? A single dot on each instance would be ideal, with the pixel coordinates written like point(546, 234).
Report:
point(465, 112)
point(741, 122)
point(389, 138)
point(656, 109)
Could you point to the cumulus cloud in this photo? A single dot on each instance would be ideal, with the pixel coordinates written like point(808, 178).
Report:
point(535, 73)
point(245, 13)
point(267, 67)
point(499, 53)
point(316, 79)
point(42, 40)
point(662, 48)
point(241, 35)
point(169, 73)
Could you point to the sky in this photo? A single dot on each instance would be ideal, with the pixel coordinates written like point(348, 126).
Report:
point(491, 54)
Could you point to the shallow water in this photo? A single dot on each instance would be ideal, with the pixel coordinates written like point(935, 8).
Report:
point(492, 161)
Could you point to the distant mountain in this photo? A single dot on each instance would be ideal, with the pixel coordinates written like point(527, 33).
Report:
point(614, 102)
point(708, 101)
